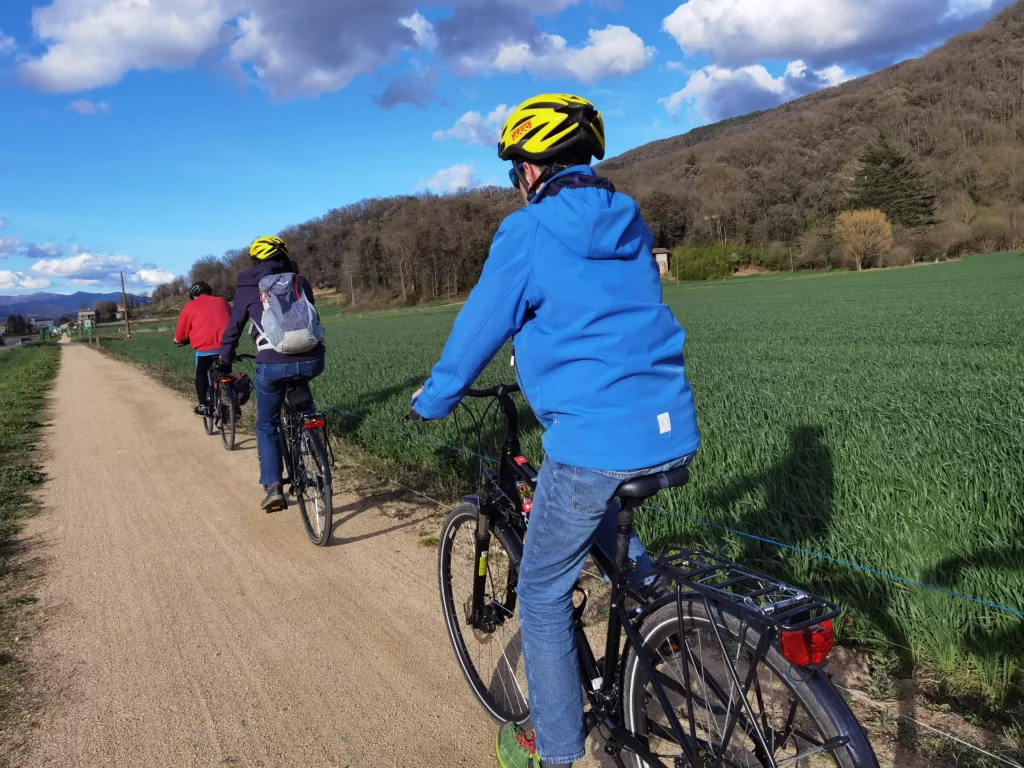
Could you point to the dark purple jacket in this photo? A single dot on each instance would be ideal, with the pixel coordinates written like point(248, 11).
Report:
point(247, 306)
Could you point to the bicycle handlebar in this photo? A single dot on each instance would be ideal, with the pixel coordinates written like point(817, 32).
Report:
point(494, 391)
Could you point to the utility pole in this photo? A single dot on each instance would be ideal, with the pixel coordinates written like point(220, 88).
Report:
point(124, 303)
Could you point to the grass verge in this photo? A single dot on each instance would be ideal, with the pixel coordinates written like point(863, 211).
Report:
point(26, 375)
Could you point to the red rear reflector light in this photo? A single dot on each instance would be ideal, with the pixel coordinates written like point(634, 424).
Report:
point(315, 424)
point(521, 460)
point(808, 647)
point(226, 380)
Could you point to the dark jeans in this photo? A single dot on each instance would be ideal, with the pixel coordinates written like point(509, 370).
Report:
point(203, 365)
point(270, 391)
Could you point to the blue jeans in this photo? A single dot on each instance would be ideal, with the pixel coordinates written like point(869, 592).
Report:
point(573, 509)
point(269, 399)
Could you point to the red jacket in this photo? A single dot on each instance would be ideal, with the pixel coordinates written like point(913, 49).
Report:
point(202, 322)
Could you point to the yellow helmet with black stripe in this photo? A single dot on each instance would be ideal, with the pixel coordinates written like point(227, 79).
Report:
point(267, 248)
point(548, 125)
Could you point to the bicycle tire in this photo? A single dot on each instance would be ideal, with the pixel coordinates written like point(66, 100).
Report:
point(211, 409)
point(811, 690)
point(283, 441)
point(228, 414)
point(311, 451)
point(505, 698)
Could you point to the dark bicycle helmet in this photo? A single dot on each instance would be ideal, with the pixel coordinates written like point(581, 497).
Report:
point(199, 288)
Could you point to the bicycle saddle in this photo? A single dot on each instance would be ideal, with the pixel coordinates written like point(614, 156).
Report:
point(299, 399)
point(640, 488)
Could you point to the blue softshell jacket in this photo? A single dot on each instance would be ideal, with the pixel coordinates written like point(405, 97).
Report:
point(598, 354)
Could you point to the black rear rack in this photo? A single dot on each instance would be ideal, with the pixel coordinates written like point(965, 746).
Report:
point(754, 594)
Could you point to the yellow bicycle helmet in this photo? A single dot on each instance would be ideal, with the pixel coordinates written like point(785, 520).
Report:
point(267, 248)
point(547, 125)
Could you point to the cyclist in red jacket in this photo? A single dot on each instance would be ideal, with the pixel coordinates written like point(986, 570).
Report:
point(202, 322)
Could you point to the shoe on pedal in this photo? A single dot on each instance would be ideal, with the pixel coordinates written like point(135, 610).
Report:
point(200, 410)
point(517, 748)
point(274, 501)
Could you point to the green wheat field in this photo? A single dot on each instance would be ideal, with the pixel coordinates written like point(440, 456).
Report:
point(876, 418)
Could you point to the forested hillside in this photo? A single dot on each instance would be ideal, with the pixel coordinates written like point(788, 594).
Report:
point(764, 190)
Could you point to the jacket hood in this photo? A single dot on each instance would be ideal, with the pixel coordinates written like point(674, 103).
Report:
point(252, 276)
point(584, 212)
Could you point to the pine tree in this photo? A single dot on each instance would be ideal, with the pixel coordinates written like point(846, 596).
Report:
point(891, 181)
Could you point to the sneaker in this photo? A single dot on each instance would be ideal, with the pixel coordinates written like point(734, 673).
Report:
point(516, 747)
point(274, 501)
point(200, 410)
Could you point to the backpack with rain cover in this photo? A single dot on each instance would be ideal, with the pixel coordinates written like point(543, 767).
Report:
point(291, 324)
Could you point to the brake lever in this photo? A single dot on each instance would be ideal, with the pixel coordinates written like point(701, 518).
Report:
point(414, 418)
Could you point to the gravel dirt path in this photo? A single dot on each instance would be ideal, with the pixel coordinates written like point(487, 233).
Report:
point(181, 626)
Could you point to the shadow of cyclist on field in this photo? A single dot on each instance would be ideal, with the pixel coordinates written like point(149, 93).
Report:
point(791, 502)
point(1003, 634)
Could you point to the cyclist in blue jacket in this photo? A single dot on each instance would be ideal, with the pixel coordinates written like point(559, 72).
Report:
point(599, 357)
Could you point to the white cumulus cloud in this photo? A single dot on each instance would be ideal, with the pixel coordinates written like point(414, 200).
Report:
point(85, 266)
point(9, 245)
point(961, 8)
point(739, 32)
point(11, 280)
point(448, 180)
point(7, 44)
point(86, 107)
point(422, 29)
point(303, 47)
point(716, 93)
point(151, 277)
point(92, 43)
point(475, 128)
point(610, 52)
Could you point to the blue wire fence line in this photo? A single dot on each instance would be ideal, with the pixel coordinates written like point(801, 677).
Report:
point(717, 526)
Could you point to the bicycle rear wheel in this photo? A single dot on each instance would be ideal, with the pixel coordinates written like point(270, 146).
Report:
point(798, 716)
point(491, 659)
point(312, 486)
point(211, 410)
point(228, 414)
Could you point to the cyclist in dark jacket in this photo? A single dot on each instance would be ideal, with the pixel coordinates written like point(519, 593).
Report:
point(270, 257)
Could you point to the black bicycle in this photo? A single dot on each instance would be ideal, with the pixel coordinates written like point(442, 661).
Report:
point(222, 404)
point(305, 449)
point(725, 669)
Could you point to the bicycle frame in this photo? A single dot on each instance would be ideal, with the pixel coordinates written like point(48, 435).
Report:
point(762, 604)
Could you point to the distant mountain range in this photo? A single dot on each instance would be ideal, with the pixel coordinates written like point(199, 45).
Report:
point(53, 305)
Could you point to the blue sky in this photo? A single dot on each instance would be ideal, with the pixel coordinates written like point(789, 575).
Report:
point(139, 135)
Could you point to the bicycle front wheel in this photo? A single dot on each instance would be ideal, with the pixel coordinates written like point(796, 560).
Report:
point(790, 715)
point(228, 414)
point(312, 486)
point(491, 656)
